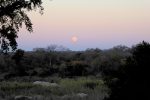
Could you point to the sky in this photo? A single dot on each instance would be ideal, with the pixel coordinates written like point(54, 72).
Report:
point(82, 24)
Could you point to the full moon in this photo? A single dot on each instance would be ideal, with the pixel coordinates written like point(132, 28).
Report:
point(74, 39)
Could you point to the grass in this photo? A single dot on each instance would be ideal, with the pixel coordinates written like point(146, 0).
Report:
point(80, 85)
point(67, 90)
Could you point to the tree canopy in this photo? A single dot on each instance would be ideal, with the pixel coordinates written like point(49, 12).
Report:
point(13, 14)
point(133, 78)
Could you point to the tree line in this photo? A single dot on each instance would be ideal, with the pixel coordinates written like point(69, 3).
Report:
point(62, 62)
point(125, 70)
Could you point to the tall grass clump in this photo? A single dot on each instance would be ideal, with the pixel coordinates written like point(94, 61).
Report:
point(83, 85)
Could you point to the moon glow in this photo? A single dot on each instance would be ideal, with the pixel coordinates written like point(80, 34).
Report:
point(74, 39)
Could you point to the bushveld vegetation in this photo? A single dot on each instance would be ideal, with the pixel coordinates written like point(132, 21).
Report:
point(75, 72)
point(119, 73)
point(92, 74)
point(48, 62)
point(66, 89)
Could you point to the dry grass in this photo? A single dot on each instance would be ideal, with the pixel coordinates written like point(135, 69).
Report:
point(67, 90)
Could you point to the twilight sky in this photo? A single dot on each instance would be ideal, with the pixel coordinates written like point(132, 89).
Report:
point(89, 23)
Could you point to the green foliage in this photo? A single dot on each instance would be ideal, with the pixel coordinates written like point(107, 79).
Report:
point(79, 85)
point(125, 71)
point(67, 87)
point(76, 68)
point(18, 56)
point(61, 63)
point(133, 79)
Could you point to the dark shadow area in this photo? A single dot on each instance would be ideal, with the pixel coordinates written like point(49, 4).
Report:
point(133, 78)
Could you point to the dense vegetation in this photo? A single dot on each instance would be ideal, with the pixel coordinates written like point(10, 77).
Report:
point(76, 72)
point(133, 79)
point(67, 89)
point(48, 62)
point(119, 73)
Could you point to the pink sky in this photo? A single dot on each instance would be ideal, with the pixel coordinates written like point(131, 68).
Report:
point(96, 23)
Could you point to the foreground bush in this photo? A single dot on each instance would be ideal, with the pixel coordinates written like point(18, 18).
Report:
point(133, 79)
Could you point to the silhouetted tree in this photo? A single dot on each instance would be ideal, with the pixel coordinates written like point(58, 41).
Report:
point(133, 79)
point(12, 16)
point(18, 56)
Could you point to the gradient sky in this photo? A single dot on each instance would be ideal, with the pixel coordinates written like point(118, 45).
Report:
point(97, 24)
